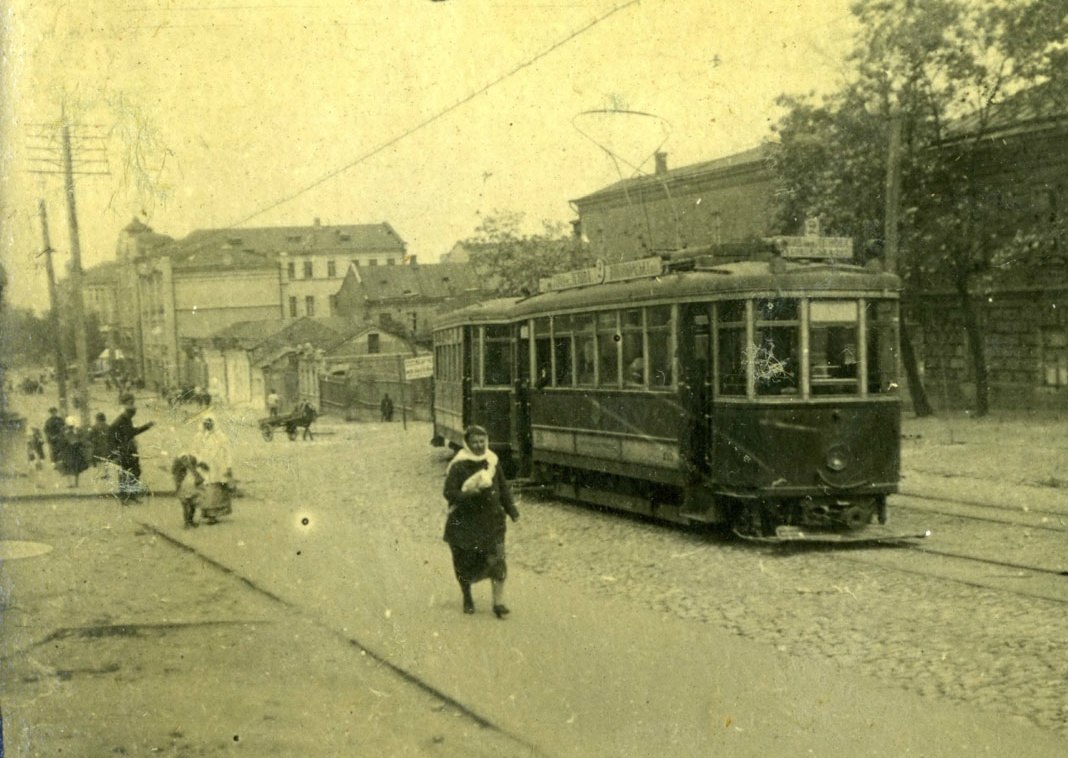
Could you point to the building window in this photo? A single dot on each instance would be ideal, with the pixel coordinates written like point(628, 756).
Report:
point(331, 269)
point(333, 305)
point(307, 269)
point(391, 262)
point(372, 262)
point(373, 344)
point(1054, 356)
point(291, 270)
point(356, 262)
point(309, 305)
point(292, 307)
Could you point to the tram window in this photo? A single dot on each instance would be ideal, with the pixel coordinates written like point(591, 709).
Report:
point(633, 348)
point(562, 360)
point(498, 357)
point(476, 355)
point(608, 341)
point(733, 362)
point(833, 347)
point(585, 350)
point(731, 312)
point(543, 347)
point(881, 319)
point(658, 322)
point(777, 309)
point(775, 360)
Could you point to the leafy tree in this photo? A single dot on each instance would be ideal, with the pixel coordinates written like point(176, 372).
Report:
point(511, 262)
point(949, 74)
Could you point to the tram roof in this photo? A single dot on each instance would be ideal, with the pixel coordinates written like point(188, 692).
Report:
point(715, 280)
point(495, 311)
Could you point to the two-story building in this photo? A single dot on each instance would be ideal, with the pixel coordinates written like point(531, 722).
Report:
point(729, 199)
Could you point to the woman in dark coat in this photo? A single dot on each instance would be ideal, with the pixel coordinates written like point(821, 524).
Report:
point(73, 451)
point(478, 498)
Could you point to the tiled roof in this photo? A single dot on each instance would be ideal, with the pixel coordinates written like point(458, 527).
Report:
point(304, 331)
point(746, 157)
point(428, 281)
point(349, 238)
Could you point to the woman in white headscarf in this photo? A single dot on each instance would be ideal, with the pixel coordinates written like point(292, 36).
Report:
point(478, 498)
point(211, 449)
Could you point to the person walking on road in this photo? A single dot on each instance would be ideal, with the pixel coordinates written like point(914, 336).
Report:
point(386, 407)
point(211, 450)
point(273, 402)
point(100, 441)
point(124, 450)
point(478, 499)
point(53, 432)
point(73, 451)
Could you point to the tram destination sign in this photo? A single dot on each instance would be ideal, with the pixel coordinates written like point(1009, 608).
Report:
point(603, 273)
point(811, 246)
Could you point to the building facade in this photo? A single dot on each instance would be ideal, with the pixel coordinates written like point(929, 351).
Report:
point(720, 201)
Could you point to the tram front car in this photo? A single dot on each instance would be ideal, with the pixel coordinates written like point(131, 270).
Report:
point(803, 428)
point(758, 394)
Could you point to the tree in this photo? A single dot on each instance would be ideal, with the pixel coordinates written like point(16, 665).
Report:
point(512, 262)
point(951, 73)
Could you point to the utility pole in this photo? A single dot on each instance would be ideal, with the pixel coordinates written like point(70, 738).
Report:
point(45, 160)
point(61, 363)
point(77, 305)
point(921, 406)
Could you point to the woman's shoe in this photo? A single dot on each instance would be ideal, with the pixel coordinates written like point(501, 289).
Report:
point(500, 611)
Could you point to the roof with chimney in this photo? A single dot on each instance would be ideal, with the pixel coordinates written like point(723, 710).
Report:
point(746, 159)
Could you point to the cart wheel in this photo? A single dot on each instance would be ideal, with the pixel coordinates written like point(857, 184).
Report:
point(267, 432)
point(291, 433)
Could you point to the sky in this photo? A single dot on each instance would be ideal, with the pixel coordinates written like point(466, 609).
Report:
point(428, 115)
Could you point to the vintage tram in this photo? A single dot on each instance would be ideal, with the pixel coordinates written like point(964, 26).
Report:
point(760, 394)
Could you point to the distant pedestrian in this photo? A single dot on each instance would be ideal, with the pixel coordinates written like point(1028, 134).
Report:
point(273, 402)
point(35, 455)
point(53, 433)
point(387, 407)
point(188, 486)
point(478, 499)
point(73, 451)
point(100, 440)
point(124, 450)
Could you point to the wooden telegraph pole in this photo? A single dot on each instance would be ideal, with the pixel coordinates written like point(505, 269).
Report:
point(77, 305)
point(61, 363)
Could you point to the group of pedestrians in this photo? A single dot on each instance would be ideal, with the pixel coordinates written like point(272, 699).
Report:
point(73, 450)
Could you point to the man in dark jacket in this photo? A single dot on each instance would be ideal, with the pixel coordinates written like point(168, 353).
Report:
point(124, 450)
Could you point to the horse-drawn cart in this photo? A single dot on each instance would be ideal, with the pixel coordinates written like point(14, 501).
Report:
point(301, 418)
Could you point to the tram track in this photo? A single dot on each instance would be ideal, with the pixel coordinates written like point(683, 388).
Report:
point(1034, 518)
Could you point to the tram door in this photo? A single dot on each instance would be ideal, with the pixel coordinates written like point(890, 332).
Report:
point(695, 370)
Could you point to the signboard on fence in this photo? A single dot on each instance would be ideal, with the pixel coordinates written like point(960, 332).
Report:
point(419, 367)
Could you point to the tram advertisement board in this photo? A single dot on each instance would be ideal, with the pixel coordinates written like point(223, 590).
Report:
point(602, 273)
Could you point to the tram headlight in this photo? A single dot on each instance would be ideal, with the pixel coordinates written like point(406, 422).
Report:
point(836, 459)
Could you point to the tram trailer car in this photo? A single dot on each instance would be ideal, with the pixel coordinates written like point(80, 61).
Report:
point(756, 394)
point(474, 354)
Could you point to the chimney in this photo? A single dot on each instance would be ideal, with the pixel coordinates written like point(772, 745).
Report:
point(661, 163)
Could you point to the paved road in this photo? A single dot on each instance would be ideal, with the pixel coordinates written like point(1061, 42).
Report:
point(331, 529)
